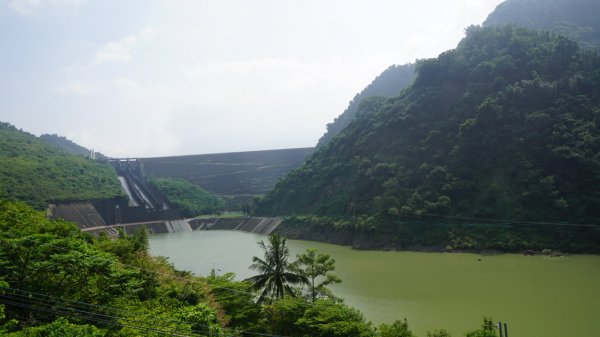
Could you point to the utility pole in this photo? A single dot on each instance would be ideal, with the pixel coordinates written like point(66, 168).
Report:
point(500, 324)
point(354, 208)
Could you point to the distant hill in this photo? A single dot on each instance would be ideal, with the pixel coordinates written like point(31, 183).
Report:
point(237, 177)
point(192, 199)
point(504, 127)
point(389, 83)
point(33, 171)
point(578, 19)
point(69, 146)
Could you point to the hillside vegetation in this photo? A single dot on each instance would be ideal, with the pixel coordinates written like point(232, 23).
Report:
point(193, 199)
point(577, 19)
point(503, 127)
point(38, 173)
point(389, 83)
point(69, 146)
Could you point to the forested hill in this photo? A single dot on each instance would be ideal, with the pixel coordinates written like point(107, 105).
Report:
point(68, 146)
point(389, 83)
point(38, 173)
point(577, 19)
point(502, 127)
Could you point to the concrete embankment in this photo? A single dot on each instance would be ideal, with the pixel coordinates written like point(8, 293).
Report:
point(257, 225)
point(246, 224)
point(155, 227)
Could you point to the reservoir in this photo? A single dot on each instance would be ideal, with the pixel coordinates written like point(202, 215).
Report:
point(538, 296)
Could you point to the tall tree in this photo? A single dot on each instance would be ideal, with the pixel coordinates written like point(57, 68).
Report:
point(275, 277)
point(312, 265)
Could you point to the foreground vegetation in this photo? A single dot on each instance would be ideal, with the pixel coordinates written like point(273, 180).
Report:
point(61, 282)
point(57, 281)
point(38, 173)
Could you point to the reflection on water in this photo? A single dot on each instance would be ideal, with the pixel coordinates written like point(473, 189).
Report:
point(536, 295)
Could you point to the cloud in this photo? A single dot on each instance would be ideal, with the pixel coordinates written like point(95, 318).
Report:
point(148, 33)
point(116, 51)
point(122, 50)
point(78, 88)
point(30, 7)
point(266, 80)
point(217, 76)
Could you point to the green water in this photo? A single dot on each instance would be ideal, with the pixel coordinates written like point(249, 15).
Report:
point(536, 295)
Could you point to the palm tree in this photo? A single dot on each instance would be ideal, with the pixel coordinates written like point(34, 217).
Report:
point(274, 278)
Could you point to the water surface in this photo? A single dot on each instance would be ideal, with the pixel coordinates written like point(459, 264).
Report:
point(536, 295)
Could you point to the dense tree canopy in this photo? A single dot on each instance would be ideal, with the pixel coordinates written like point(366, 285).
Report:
point(58, 281)
point(503, 127)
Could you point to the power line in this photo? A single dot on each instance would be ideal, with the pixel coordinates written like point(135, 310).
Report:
point(48, 299)
point(513, 228)
point(65, 310)
point(508, 221)
point(26, 302)
point(99, 317)
point(498, 223)
point(168, 276)
point(142, 269)
point(57, 302)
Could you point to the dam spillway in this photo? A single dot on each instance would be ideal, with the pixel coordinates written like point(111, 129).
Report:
point(123, 181)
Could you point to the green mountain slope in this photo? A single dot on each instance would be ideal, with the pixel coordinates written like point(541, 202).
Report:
point(389, 83)
point(577, 19)
point(68, 146)
point(193, 199)
point(502, 127)
point(38, 173)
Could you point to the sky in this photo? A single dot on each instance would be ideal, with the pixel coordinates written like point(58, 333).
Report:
point(150, 78)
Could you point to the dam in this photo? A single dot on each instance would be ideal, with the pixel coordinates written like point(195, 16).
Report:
point(146, 207)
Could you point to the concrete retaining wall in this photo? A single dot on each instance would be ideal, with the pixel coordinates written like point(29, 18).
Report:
point(247, 224)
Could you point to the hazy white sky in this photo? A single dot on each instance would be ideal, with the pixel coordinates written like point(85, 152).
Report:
point(164, 77)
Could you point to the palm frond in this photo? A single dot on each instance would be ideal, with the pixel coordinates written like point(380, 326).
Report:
point(275, 273)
